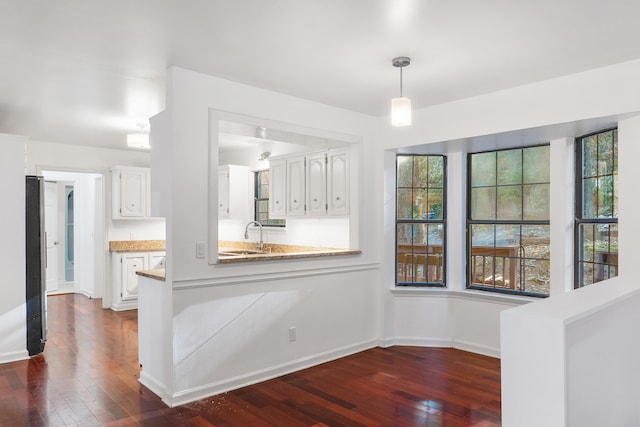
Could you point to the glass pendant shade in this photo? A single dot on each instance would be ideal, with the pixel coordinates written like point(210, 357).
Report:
point(401, 111)
point(138, 140)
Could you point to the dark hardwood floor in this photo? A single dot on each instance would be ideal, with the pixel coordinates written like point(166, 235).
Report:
point(88, 376)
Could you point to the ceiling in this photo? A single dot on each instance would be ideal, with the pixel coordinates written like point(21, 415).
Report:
point(87, 71)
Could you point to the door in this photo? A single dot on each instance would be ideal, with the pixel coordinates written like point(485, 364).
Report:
point(277, 188)
point(133, 191)
point(316, 180)
point(295, 186)
point(130, 264)
point(338, 182)
point(51, 231)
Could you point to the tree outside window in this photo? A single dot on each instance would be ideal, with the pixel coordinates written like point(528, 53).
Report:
point(420, 220)
point(596, 207)
point(508, 221)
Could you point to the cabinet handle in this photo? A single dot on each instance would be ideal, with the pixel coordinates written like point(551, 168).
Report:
point(295, 201)
point(337, 198)
point(277, 202)
point(315, 200)
point(220, 204)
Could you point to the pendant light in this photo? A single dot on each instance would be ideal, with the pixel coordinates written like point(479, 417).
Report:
point(401, 107)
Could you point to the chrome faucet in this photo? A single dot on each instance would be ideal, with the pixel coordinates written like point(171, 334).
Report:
point(260, 245)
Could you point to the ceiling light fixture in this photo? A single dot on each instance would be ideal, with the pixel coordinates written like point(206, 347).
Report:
point(263, 160)
point(140, 139)
point(401, 107)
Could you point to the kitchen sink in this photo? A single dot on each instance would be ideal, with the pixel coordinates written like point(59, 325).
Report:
point(239, 252)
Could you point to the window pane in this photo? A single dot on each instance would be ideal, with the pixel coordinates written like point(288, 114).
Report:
point(405, 171)
point(605, 196)
point(536, 202)
point(590, 157)
point(404, 203)
point(434, 237)
point(436, 171)
point(483, 169)
point(536, 164)
point(483, 203)
point(605, 153)
point(536, 276)
point(420, 171)
point(420, 204)
point(509, 202)
point(435, 204)
point(589, 194)
point(509, 167)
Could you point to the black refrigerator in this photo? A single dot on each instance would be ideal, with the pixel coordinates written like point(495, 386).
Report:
point(36, 258)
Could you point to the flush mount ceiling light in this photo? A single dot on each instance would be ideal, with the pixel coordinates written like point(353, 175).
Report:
point(263, 160)
point(140, 139)
point(401, 107)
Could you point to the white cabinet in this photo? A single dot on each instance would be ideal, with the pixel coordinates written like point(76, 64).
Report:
point(338, 182)
point(295, 186)
point(125, 279)
point(131, 193)
point(233, 191)
point(277, 188)
point(312, 185)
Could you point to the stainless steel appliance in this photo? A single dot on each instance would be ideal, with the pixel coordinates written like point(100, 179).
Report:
point(36, 254)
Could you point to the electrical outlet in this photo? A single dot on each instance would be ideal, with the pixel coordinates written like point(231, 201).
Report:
point(292, 334)
point(200, 249)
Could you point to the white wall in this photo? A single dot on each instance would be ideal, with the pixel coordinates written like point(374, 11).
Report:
point(231, 322)
point(536, 113)
point(13, 315)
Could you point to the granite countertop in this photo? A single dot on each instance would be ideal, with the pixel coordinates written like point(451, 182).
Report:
point(153, 274)
point(272, 252)
point(136, 245)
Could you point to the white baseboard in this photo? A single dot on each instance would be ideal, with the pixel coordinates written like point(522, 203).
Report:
point(155, 386)
point(476, 348)
point(125, 305)
point(208, 390)
point(444, 343)
point(422, 342)
point(14, 356)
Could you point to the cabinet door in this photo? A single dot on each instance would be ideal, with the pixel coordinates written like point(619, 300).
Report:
point(223, 193)
point(295, 186)
point(130, 264)
point(277, 188)
point(338, 182)
point(133, 193)
point(316, 184)
point(156, 260)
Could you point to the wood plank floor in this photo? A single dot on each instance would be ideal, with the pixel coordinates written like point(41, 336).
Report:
point(88, 376)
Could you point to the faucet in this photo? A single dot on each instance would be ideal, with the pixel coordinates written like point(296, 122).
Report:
point(260, 245)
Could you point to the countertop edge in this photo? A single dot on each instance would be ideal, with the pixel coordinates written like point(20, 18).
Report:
point(153, 274)
point(283, 256)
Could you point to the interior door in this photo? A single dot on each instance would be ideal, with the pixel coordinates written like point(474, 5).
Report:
point(51, 230)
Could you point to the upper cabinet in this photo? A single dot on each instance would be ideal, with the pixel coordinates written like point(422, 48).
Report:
point(338, 182)
point(233, 188)
point(131, 193)
point(277, 188)
point(312, 185)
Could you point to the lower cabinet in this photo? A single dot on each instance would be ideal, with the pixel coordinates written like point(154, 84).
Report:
point(125, 279)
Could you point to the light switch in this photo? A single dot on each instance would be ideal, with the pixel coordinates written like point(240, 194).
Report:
point(200, 247)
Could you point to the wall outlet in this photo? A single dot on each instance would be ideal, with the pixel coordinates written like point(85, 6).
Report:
point(292, 334)
point(200, 247)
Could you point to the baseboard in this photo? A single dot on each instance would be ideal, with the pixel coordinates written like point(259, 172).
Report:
point(476, 348)
point(208, 390)
point(422, 342)
point(155, 386)
point(442, 342)
point(14, 356)
point(131, 305)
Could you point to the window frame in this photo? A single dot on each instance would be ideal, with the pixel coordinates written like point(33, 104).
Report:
point(257, 200)
point(579, 207)
point(442, 222)
point(470, 222)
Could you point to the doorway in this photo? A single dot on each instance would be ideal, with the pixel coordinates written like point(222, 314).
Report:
point(74, 222)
